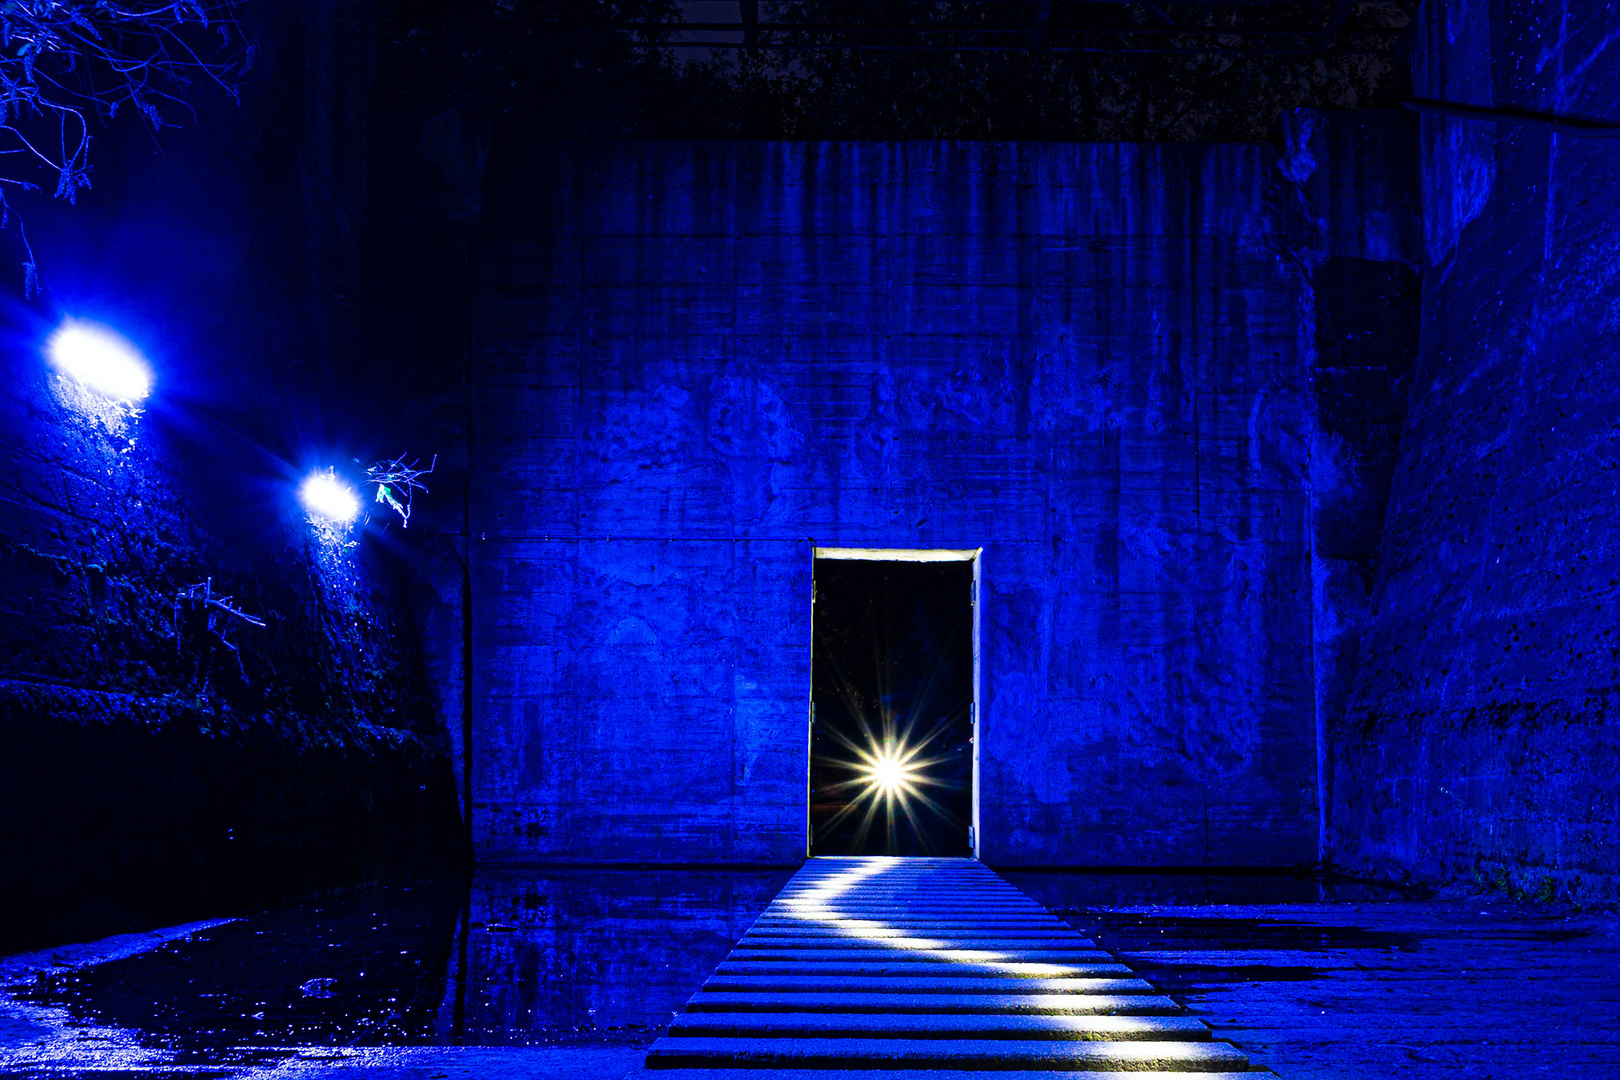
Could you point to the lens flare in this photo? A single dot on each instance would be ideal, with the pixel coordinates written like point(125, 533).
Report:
point(100, 360)
point(329, 499)
point(889, 771)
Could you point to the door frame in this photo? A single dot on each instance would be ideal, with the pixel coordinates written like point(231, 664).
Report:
point(972, 555)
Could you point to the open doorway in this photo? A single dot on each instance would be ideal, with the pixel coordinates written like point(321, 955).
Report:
point(892, 753)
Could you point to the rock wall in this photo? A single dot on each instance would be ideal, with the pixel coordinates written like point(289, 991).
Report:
point(160, 764)
point(1480, 740)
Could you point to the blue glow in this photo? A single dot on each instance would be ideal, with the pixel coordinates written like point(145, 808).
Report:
point(99, 360)
point(328, 499)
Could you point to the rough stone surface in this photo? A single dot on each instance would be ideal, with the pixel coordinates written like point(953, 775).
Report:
point(1482, 734)
point(159, 764)
point(696, 362)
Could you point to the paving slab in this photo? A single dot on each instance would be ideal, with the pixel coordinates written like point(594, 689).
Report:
point(795, 932)
point(942, 954)
point(899, 1002)
point(926, 984)
point(931, 1025)
point(675, 1052)
point(912, 941)
point(920, 965)
point(789, 1073)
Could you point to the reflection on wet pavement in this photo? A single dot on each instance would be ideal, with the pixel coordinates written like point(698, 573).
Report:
point(1365, 983)
point(570, 973)
point(555, 957)
point(599, 957)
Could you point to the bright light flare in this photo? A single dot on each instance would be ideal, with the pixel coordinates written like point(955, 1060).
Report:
point(329, 499)
point(890, 772)
point(99, 359)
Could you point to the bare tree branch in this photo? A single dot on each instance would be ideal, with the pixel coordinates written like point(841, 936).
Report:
point(67, 63)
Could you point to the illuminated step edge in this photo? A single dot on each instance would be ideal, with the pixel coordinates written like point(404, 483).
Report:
point(781, 1072)
point(898, 918)
point(676, 1052)
point(797, 928)
point(930, 954)
point(845, 908)
point(942, 1003)
point(885, 941)
point(922, 984)
point(937, 1026)
point(930, 897)
point(917, 967)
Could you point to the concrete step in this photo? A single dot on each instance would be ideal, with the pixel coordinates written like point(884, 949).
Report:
point(989, 924)
point(942, 954)
point(846, 940)
point(675, 1052)
point(921, 964)
point(872, 933)
point(790, 1073)
point(923, 984)
point(900, 1002)
point(847, 904)
point(916, 911)
point(933, 898)
point(920, 889)
point(805, 1025)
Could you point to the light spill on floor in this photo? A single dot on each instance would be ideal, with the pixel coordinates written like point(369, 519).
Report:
point(574, 973)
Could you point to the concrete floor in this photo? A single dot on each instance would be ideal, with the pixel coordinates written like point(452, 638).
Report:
point(571, 974)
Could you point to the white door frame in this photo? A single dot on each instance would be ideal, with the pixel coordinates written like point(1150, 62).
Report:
point(905, 555)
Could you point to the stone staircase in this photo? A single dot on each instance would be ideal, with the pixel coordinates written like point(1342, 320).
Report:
point(939, 964)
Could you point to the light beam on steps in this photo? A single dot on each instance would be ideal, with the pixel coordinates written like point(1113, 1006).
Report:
point(880, 963)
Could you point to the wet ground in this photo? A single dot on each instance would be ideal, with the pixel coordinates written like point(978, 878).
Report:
point(571, 973)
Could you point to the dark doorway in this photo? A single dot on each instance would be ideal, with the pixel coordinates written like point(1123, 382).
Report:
point(891, 736)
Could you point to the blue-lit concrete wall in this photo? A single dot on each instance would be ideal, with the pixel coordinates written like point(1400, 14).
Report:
point(1482, 740)
point(695, 362)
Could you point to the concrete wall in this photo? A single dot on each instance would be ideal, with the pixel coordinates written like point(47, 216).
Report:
point(693, 363)
point(1482, 739)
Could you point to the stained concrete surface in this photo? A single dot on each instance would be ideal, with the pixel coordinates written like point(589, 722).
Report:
point(1377, 986)
point(1480, 736)
point(712, 357)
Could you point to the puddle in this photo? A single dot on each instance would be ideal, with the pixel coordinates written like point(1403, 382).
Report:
point(1215, 950)
point(513, 958)
point(1090, 888)
point(1216, 947)
point(1133, 932)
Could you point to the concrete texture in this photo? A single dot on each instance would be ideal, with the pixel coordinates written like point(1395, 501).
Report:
point(1481, 739)
point(693, 363)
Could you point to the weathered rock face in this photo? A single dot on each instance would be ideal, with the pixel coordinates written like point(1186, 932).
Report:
point(161, 759)
point(694, 363)
point(1481, 739)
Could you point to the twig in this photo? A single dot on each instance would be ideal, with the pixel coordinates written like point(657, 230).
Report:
point(397, 482)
